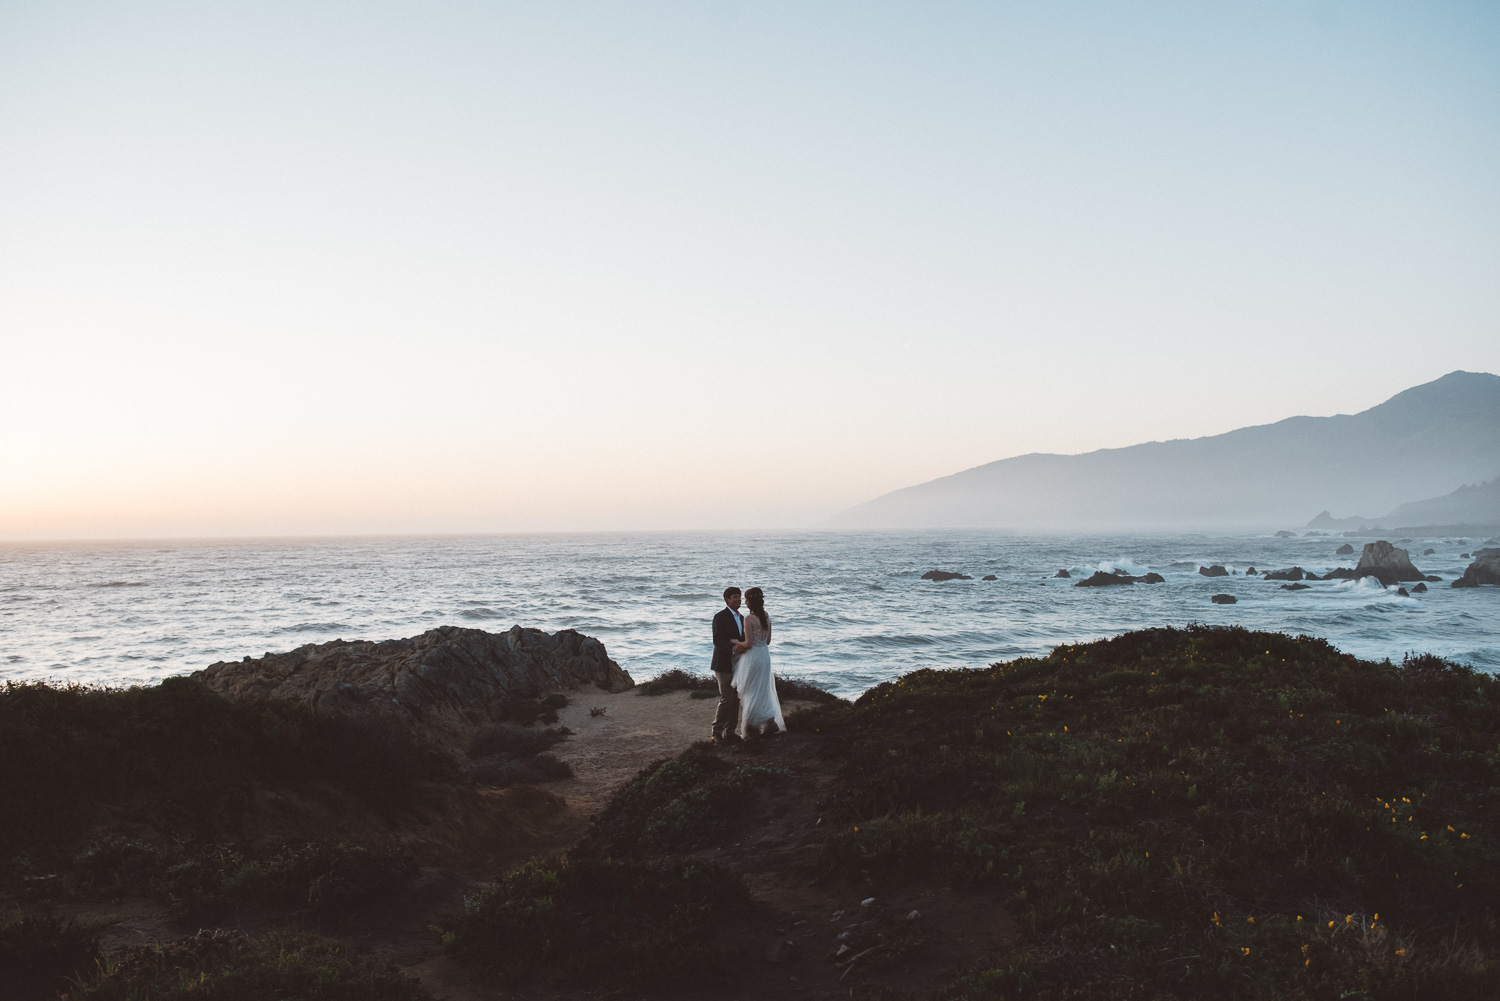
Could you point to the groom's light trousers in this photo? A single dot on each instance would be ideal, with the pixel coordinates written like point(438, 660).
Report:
point(727, 718)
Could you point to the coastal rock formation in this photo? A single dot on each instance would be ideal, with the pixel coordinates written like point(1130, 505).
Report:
point(1384, 562)
point(1213, 571)
point(1284, 534)
point(445, 683)
point(1294, 587)
point(1484, 570)
point(945, 575)
point(1291, 573)
point(1348, 550)
point(1224, 599)
point(1419, 589)
point(1062, 573)
point(989, 576)
point(1102, 579)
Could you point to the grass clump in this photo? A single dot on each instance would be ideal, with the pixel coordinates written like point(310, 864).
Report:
point(1207, 812)
point(678, 680)
point(636, 924)
point(219, 965)
point(678, 805)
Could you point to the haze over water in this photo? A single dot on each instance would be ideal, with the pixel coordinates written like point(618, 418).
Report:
point(850, 609)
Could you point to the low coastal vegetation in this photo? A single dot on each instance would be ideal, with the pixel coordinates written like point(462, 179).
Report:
point(145, 792)
point(1172, 813)
point(46, 959)
point(1205, 812)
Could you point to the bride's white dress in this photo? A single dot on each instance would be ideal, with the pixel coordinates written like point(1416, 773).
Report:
point(754, 681)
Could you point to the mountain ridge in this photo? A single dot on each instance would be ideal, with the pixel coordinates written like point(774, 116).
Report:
point(1425, 440)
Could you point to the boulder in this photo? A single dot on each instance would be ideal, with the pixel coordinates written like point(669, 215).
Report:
point(1062, 573)
point(1224, 599)
point(989, 576)
point(1213, 571)
point(1419, 589)
point(1484, 570)
point(945, 575)
point(1284, 534)
point(1250, 572)
point(443, 685)
point(1291, 573)
point(1403, 592)
point(1348, 550)
point(1294, 587)
point(1428, 552)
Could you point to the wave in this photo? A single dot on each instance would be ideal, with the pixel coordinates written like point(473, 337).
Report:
point(310, 627)
point(481, 613)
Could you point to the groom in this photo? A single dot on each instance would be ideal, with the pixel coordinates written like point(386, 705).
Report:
point(729, 629)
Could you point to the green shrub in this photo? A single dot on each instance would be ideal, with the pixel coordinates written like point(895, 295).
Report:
point(38, 955)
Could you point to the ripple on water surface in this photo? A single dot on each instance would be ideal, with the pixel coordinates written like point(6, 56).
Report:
point(850, 609)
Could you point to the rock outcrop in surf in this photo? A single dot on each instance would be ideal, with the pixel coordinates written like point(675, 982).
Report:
point(1384, 562)
point(445, 683)
point(1484, 570)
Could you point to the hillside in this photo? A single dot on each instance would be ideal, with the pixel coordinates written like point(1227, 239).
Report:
point(1419, 443)
point(1471, 504)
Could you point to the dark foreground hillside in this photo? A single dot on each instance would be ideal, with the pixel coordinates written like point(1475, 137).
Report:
point(1200, 813)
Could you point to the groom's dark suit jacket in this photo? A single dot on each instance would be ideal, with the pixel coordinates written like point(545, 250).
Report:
point(726, 634)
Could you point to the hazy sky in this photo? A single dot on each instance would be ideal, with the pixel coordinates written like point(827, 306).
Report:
point(314, 267)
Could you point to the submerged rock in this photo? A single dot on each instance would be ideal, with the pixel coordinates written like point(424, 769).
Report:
point(1291, 573)
point(989, 576)
point(444, 684)
point(1062, 573)
point(1224, 599)
point(1348, 550)
point(1294, 587)
point(945, 575)
point(1284, 534)
point(1213, 571)
point(1419, 589)
point(1484, 570)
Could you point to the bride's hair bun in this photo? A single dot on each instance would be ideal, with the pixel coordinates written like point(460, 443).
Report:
point(755, 598)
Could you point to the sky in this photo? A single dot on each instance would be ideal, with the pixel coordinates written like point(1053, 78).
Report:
point(319, 268)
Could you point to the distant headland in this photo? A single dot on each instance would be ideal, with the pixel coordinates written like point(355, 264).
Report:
point(1436, 440)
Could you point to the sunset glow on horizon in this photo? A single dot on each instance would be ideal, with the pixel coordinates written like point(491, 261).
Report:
point(331, 269)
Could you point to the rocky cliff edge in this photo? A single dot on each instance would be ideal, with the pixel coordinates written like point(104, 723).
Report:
point(443, 684)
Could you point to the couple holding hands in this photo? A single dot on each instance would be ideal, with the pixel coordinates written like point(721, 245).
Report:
point(748, 706)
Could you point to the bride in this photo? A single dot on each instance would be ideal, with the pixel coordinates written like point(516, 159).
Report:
point(760, 709)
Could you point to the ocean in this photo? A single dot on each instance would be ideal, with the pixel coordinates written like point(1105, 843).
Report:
point(850, 609)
